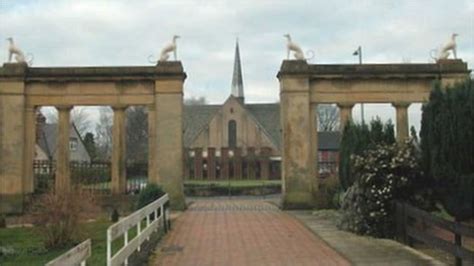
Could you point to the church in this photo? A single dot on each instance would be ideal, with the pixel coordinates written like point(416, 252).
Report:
point(238, 126)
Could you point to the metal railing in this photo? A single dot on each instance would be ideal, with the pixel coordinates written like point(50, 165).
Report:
point(77, 255)
point(155, 213)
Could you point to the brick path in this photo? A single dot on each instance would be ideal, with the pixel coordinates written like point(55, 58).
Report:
point(242, 232)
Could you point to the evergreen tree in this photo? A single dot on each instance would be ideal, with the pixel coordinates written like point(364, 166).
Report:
point(358, 138)
point(447, 143)
point(89, 143)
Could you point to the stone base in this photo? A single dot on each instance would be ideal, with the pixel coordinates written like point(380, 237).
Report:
point(11, 204)
point(298, 201)
point(178, 204)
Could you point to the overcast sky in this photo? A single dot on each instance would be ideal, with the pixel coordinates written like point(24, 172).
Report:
point(104, 33)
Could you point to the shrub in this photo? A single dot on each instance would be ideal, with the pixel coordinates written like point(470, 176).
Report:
point(114, 217)
point(3, 221)
point(357, 138)
point(58, 216)
point(151, 193)
point(447, 144)
point(328, 193)
point(383, 174)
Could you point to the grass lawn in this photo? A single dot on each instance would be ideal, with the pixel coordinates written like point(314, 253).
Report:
point(232, 183)
point(28, 245)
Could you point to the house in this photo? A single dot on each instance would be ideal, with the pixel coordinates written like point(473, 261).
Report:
point(237, 124)
point(46, 139)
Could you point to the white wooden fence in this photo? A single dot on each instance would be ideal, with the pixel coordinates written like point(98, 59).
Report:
point(158, 208)
point(75, 256)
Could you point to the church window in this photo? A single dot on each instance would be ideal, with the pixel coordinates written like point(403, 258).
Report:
point(232, 133)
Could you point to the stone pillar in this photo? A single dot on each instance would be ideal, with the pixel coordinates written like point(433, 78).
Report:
point(224, 163)
point(295, 115)
point(30, 142)
point(12, 137)
point(251, 163)
point(169, 147)
point(402, 120)
point(119, 167)
point(345, 112)
point(63, 171)
point(211, 163)
point(198, 161)
point(152, 163)
point(265, 153)
point(315, 147)
point(237, 163)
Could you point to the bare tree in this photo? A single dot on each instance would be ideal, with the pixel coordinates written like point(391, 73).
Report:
point(328, 117)
point(79, 116)
point(104, 132)
point(195, 101)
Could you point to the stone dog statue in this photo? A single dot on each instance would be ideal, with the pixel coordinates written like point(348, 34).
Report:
point(171, 47)
point(293, 47)
point(14, 50)
point(444, 52)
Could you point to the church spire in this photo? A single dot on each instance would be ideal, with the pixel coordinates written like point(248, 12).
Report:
point(237, 81)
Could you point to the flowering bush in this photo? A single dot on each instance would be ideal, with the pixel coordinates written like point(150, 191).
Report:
point(383, 174)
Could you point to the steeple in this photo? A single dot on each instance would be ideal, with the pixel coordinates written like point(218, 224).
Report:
point(237, 81)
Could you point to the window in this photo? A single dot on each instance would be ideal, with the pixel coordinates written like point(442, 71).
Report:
point(232, 133)
point(73, 144)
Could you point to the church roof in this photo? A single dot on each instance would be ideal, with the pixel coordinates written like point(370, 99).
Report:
point(267, 115)
point(196, 117)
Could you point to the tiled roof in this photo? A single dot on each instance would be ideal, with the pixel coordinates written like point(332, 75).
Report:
point(196, 117)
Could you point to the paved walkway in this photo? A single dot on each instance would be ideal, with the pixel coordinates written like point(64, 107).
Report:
point(242, 232)
point(361, 250)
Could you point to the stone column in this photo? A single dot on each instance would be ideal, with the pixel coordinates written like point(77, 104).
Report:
point(211, 163)
point(119, 167)
point(12, 136)
point(345, 112)
point(63, 171)
point(152, 164)
point(315, 147)
point(169, 147)
point(224, 163)
point(402, 120)
point(30, 143)
point(297, 145)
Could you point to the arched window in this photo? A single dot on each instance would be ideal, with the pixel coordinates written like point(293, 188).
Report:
point(232, 133)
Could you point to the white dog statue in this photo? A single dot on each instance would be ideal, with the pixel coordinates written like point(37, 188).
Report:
point(164, 55)
point(291, 46)
point(446, 50)
point(14, 50)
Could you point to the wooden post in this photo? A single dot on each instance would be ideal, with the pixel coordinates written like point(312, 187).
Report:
point(457, 242)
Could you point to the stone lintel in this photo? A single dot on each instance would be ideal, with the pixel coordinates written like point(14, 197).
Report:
point(167, 70)
point(376, 71)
